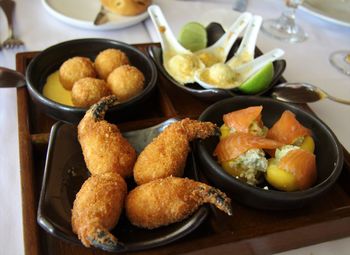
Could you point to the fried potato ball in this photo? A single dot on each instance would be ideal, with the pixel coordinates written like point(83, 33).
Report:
point(88, 91)
point(97, 208)
point(74, 69)
point(125, 82)
point(108, 60)
point(126, 7)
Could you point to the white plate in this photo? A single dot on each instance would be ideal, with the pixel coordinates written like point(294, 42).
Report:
point(336, 11)
point(81, 13)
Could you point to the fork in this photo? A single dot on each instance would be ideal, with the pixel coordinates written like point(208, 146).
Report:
point(11, 42)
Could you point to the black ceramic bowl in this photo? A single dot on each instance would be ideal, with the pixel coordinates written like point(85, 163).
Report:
point(49, 61)
point(65, 172)
point(329, 156)
point(215, 31)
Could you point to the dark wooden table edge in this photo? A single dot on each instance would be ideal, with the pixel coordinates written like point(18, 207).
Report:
point(277, 242)
point(29, 205)
point(258, 245)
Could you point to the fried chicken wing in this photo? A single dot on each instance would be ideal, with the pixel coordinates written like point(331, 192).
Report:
point(97, 208)
point(172, 199)
point(103, 146)
point(166, 155)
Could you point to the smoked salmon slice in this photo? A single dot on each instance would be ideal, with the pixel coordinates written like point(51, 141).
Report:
point(238, 143)
point(287, 129)
point(240, 120)
point(302, 164)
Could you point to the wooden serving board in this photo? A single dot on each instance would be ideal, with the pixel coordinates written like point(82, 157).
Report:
point(248, 231)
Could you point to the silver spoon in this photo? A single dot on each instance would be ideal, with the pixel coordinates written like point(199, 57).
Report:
point(302, 93)
point(11, 79)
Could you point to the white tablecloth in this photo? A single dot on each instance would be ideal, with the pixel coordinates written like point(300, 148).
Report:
point(306, 61)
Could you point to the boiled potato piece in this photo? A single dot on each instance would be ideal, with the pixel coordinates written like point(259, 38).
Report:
point(308, 144)
point(299, 163)
point(279, 178)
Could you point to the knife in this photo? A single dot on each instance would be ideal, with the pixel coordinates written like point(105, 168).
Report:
point(101, 17)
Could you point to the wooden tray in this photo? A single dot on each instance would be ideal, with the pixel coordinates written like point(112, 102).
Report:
point(249, 231)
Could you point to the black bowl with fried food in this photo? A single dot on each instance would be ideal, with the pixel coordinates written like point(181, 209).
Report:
point(328, 152)
point(214, 32)
point(66, 171)
point(50, 60)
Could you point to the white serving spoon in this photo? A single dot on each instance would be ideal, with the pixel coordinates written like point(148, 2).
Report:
point(242, 72)
point(173, 52)
point(222, 47)
point(252, 67)
point(167, 39)
point(246, 51)
point(244, 54)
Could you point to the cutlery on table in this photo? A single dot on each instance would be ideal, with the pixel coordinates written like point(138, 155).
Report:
point(302, 93)
point(8, 7)
point(11, 79)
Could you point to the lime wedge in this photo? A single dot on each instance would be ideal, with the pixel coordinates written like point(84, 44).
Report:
point(193, 36)
point(259, 81)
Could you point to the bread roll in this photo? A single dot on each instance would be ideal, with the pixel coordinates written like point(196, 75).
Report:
point(126, 7)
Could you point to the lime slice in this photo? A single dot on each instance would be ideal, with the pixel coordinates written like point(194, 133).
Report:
point(259, 81)
point(193, 36)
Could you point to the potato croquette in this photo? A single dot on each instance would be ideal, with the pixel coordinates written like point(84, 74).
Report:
point(104, 148)
point(126, 82)
point(108, 60)
point(97, 208)
point(126, 7)
point(74, 69)
point(166, 155)
point(88, 91)
point(172, 199)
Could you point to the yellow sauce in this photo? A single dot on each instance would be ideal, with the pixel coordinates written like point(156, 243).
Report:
point(182, 66)
point(208, 59)
point(241, 59)
point(221, 76)
point(54, 90)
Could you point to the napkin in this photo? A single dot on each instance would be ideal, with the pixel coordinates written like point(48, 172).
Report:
point(11, 233)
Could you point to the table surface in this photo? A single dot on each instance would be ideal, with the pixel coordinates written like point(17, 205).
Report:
point(307, 61)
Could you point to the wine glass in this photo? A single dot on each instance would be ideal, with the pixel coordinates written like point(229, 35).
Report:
point(341, 60)
point(284, 28)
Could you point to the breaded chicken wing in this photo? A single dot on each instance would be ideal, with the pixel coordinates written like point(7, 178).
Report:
point(97, 208)
point(172, 199)
point(103, 146)
point(166, 155)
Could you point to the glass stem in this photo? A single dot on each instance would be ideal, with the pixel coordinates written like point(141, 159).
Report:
point(287, 21)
